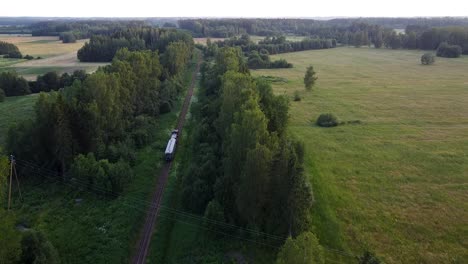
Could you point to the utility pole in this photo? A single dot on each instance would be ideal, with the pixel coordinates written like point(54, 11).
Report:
point(13, 169)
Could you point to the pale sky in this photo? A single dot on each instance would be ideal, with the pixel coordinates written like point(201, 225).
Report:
point(233, 8)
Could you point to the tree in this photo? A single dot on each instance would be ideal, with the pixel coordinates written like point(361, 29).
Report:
point(310, 78)
point(378, 40)
point(68, 37)
point(36, 249)
point(2, 95)
point(427, 59)
point(13, 85)
point(304, 249)
point(368, 258)
point(449, 51)
point(10, 247)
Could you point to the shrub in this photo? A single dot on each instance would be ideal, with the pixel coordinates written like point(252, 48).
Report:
point(2, 95)
point(327, 120)
point(449, 51)
point(68, 37)
point(282, 63)
point(28, 57)
point(297, 96)
point(427, 59)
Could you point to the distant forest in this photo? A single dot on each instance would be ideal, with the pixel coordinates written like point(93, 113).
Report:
point(420, 33)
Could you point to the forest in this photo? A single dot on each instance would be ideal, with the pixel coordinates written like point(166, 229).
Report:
point(244, 167)
point(102, 48)
point(106, 113)
point(426, 34)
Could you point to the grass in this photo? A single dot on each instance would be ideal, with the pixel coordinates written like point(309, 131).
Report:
point(15, 109)
point(397, 183)
point(7, 62)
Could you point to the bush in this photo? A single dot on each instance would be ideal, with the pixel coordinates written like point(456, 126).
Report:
point(100, 175)
point(29, 57)
point(297, 96)
point(327, 120)
point(2, 95)
point(282, 63)
point(449, 51)
point(68, 37)
point(427, 59)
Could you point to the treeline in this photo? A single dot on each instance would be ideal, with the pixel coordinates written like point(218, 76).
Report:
point(421, 33)
point(276, 45)
point(89, 131)
point(403, 22)
point(11, 84)
point(244, 168)
point(81, 29)
point(225, 28)
point(9, 50)
point(102, 48)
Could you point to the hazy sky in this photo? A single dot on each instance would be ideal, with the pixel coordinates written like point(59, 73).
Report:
point(232, 8)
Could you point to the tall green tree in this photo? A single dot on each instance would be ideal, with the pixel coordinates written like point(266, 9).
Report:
point(310, 78)
point(37, 249)
point(2, 95)
point(10, 238)
point(304, 249)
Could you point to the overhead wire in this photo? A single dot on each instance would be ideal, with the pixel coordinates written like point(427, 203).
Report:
point(137, 204)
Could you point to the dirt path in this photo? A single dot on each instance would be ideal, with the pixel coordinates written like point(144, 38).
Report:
point(153, 212)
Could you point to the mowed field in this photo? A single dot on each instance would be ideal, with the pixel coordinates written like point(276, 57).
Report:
point(56, 56)
point(397, 183)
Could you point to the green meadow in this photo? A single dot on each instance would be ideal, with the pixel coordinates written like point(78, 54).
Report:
point(396, 182)
point(13, 110)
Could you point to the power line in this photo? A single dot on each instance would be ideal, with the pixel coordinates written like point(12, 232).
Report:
point(137, 204)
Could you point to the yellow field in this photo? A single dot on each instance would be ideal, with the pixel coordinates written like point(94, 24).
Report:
point(56, 56)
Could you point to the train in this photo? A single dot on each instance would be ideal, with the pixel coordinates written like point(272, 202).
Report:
point(171, 145)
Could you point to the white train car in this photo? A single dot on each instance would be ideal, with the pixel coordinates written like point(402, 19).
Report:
point(171, 146)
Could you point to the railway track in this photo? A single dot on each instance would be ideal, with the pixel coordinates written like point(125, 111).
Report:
point(153, 211)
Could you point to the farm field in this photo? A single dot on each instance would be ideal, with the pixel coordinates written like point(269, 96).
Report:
point(397, 183)
point(56, 55)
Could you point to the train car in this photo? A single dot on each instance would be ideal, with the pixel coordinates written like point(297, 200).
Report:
point(171, 145)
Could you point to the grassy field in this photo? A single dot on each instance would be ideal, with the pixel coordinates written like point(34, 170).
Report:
point(56, 56)
point(15, 109)
point(398, 182)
